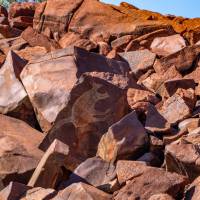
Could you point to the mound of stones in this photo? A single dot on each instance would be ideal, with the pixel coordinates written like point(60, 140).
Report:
point(98, 102)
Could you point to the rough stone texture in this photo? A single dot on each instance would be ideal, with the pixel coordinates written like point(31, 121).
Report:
point(169, 87)
point(55, 15)
point(96, 172)
point(139, 61)
point(49, 168)
point(35, 39)
point(182, 156)
point(193, 192)
point(12, 44)
point(183, 59)
point(14, 100)
point(79, 191)
point(165, 46)
point(124, 139)
point(13, 191)
point(49, 87)
point(161, 197)
point(93, 106)
point(147, 181)
point(31, 53)
point(19, 154)
point(180, 104)
point(135, 95)
point(190, 124)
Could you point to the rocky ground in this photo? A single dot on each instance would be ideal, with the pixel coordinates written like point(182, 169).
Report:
point(98, 102)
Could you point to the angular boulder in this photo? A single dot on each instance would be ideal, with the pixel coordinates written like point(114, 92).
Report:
point(124, 139)
point(165, 46)
point(19, 150)
point(147, 181)
point(79, 191)
point(49, 79)
point(183, 156)
point(49, 168)
point(14, 100)
point(96, 172)
point(139, 61)
point(92, 107)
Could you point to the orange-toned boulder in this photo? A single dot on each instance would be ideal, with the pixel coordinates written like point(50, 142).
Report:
point(19, 150)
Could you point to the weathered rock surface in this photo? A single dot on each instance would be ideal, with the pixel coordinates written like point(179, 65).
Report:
point(49, 87)
point(19, 154)
point(95, 171)
point(49, 168)
point(81, 191)
point(124, 139)
point(147, 181)
point(115, 89)
point(91, 109)
point(165, 46)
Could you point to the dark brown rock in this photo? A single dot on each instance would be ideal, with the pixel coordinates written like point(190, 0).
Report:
point(14, 191)
point(93, 106)
point(182, 156)
point(19, 150)
point(49, 168)
point(183, 59)
point(124, 139)
point(49, 87)
point(193, 192)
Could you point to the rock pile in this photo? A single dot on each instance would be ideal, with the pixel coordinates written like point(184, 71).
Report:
point(98, 102)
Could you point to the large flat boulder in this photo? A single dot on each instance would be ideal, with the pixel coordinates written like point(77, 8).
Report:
point(49, 79)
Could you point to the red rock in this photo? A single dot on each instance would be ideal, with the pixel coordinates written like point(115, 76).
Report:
point(140, 95)
point(165, 46)
point(35, 39)
point(147, 181)
point(78, 191)
point(139, 43)
point(155, 80)
point(19, 150)
point(86, 119)
point(12, 44)
point(139, 61)
point(183, 60)
point(124, 139)
point(96, 172)
point(49, 95)
point(161, 197)
point(55, 15)
point(49, 168)
point(31, 53)
point(169, 87)
point(180, 105)
point(193, 192)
